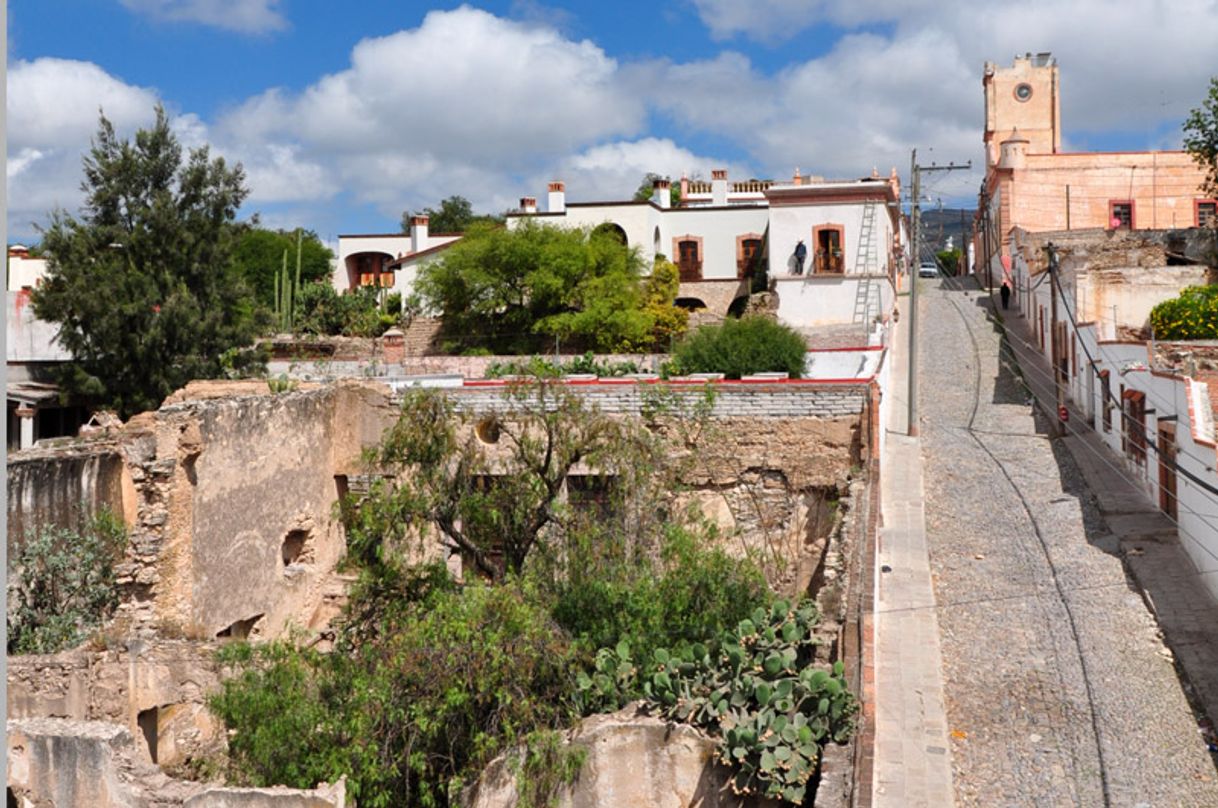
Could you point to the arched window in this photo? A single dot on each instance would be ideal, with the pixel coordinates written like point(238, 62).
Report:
point(657, 242)
point(613, 230)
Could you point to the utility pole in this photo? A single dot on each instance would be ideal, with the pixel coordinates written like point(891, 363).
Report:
point(915, 215)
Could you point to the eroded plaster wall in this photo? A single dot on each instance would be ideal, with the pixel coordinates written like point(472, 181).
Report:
point(63, 487)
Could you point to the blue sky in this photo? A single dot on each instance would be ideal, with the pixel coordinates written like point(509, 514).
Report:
point(346, 114)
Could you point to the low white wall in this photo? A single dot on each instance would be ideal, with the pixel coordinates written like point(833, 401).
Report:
point(817, 300)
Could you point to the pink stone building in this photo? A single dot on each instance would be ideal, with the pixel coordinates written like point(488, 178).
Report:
point(1032, 184)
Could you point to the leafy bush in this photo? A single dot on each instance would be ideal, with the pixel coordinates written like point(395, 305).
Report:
point(409, 715)
point(1192, 315)
point(354, 314)
point(757, 693)
point(752, 344)
point(64, 585)
point(546, 368)
point(691, 593)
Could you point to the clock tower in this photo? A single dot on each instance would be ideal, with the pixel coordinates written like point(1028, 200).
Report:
point(1022, 97)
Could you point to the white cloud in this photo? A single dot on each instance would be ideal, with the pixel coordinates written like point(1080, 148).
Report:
point(472, 104)
point(462, 104)
point(52, 112)
point(614, 170)
point(245, 16)
point(1126, 65)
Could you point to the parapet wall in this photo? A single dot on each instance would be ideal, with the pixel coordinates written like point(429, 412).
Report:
point(731, 400)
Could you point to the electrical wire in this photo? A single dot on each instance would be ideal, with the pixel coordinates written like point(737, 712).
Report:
point(1123, 473)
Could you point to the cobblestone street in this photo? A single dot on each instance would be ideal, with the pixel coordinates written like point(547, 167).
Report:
point(1057, 687)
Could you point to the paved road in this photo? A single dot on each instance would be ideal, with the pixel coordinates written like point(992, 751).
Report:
point(1058, 688)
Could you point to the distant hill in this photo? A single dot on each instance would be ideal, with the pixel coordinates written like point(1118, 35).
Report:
point(939, 225)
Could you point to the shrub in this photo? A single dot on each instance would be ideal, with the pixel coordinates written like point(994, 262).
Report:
point(690, 593)
point(1192, 315)
point(752, 344)
point(354, 314)
point(409, 715)
point(64, 585)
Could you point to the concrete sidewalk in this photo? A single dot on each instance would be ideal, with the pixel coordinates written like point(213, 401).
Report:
point(1142, 535)
point(912, 753)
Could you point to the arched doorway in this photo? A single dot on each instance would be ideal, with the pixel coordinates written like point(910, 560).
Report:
point(367, 269)
point(689, 303)
point(612, 230)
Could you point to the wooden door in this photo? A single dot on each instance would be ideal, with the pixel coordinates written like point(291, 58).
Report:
point(1167, 469)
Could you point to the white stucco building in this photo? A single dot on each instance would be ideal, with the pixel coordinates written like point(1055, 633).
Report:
point(388, 260)
point(722, 233)
point(1152, 403)
point(24, 272)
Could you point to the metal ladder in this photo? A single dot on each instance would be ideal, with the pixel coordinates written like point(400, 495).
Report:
point(862, 257)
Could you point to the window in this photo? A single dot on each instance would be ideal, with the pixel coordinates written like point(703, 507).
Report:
point(1206, 212)
point(689, 257)
point(830, 255)
point(594, 496)
point(1135, 425)
point(1023, 91)
point(1120, 215)
point(748, 254)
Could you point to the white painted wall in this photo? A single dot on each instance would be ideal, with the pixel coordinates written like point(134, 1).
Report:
point(25, 272)
point(1184, 399)
point(28, 339)
point(818, 300)
point(790, 223)
point(718, 228)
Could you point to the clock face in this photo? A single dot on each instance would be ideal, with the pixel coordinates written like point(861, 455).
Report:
point(1023, 91)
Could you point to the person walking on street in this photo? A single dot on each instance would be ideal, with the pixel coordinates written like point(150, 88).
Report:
point(1005, 291)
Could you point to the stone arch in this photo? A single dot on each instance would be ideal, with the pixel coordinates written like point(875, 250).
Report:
point(612, 229)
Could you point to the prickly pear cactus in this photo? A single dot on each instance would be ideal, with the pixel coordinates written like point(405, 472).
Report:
point(755, 692)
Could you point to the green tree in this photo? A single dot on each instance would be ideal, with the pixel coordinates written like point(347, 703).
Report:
point(142, 284)
point(455, 215)
point(1201, 137)
point(258, 257)
point(443, 474)
point(660, 291)
point(647, 185)
point(513, 291)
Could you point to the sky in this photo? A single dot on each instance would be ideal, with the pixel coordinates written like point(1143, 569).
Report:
point(344, 115)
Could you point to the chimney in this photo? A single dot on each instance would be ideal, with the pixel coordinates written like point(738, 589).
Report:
point(418, 233)
point(558, 198)
point(798, 178)
point(528, 204)
point(18, 251)
point(719, 186)
point(661, 193)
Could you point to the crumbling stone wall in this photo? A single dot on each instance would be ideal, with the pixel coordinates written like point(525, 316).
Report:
point(157, 691)
point(59, 763)
point(235, 531)
point(62, 487)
